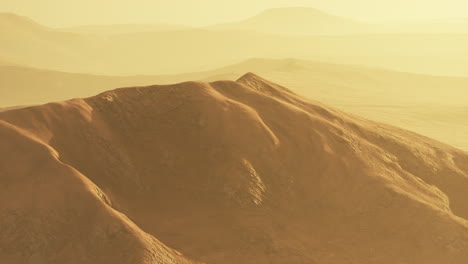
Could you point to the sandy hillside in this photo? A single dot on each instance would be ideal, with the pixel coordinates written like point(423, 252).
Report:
point(21, 85)
point(434, 106)
point(337, 84)
point(224, 172)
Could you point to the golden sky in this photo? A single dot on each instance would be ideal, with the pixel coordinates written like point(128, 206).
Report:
point(203, 12)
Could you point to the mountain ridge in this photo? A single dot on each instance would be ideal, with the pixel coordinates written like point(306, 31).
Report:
point(369, 92)
point(208, 49)
point(226, 172)
point(297, 20)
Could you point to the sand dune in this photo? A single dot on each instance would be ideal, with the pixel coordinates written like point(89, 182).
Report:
point(27, 43)
point(433, 106)
point(224, 172)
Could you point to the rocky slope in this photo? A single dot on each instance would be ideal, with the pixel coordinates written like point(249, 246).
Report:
point(224, 172)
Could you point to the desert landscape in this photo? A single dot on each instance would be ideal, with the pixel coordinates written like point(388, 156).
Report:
point(248, 132)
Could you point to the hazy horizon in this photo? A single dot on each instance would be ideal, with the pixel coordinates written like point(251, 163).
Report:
point(56, 13)
point(226, 132)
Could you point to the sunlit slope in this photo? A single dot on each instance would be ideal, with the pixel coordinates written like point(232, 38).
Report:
point(25, 85)
point(330, 83)
point(430, 105)
point(27, 43)
point(224, 172)
point(444, 122)
point(341, 83)
point(51, 213)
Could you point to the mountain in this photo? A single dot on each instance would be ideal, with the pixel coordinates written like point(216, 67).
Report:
point(170, 52)
point(123, 28)
point(335, 84)
point(341, 84)
point(21, 85)
point(298, 21)
point(310, 21)
point(25, 42)
point(225, 172)
point(11, 108)
point(433, 105)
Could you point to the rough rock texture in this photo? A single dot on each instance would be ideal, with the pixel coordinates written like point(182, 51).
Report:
point(224, 172)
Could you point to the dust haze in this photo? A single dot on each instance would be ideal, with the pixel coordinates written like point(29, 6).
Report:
point(190, 132)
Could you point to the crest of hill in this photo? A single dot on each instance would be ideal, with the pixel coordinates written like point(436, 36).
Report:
point(225, 172)
point(297, 20)
point(370, 92)
point(262, 85)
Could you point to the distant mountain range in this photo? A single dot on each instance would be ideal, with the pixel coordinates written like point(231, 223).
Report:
point(299, 21)
point(27, 43)
point(310, 21)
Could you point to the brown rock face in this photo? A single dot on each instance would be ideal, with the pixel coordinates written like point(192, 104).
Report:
point(224, 172)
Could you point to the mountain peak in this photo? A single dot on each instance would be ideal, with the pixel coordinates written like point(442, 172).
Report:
point(249, 76)
point(296, 20)
point(262, 85)
point(229, 164)
point(254, 81)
